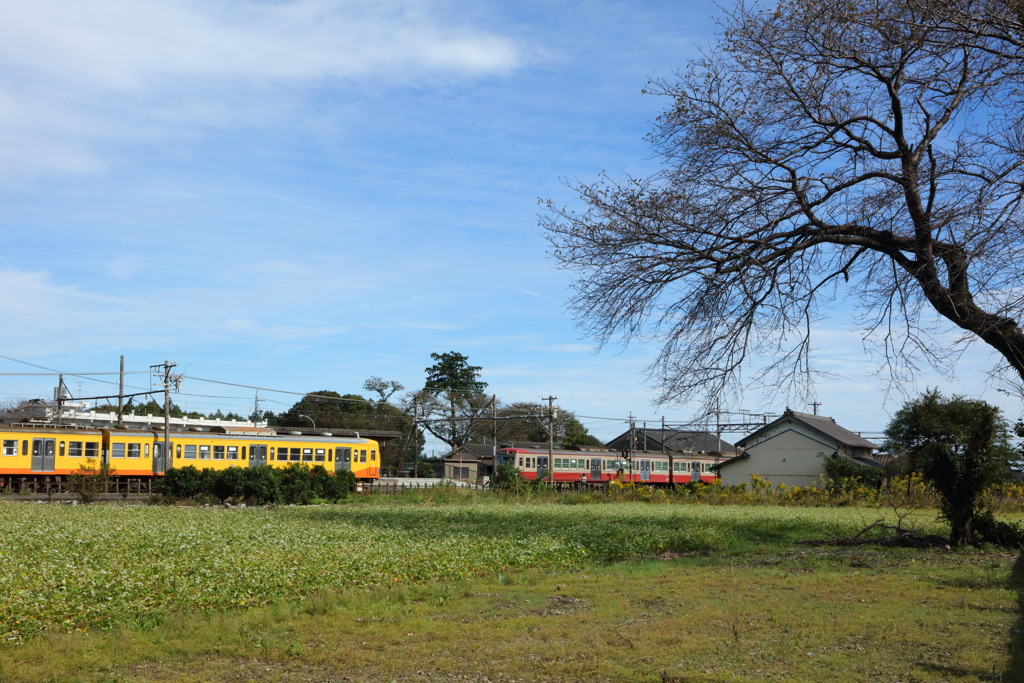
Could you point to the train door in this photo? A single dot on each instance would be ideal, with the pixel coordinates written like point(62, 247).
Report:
point(595, 469)
point(645, 470)
point(696, 471)
point(161, 462)
point(43, 455)
point(257, 454)
point(342, 459)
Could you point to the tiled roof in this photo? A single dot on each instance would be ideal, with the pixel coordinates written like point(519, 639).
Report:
point(675, 440)
point(821, 423)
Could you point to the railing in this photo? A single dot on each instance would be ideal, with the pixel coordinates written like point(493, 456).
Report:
point(392, 486)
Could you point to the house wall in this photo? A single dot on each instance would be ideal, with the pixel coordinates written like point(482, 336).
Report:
point(452, 467)
point(789, 458)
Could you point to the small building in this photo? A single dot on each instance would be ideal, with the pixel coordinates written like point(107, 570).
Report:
point(790, 450)
point(472, 462)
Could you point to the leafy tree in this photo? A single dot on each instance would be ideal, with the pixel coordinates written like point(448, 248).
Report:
point(575, 434)
point(868, 151)
point(533, 425)
point(452, 373)
point(452, 399)
point(383, 388)
point(424, 470)
point(960, 446)
point(507, 477)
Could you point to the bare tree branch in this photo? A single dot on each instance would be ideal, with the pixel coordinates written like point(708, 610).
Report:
point(868, 149)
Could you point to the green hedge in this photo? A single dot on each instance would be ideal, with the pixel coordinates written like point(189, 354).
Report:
point(294, 484)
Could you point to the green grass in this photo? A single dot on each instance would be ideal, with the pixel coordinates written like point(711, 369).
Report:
point(501, 592)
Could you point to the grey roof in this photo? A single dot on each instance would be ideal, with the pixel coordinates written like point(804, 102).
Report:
point(821, 423)
point(675, 440)
point(472, 450)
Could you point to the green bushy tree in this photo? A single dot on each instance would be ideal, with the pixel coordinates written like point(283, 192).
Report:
point(960, 446)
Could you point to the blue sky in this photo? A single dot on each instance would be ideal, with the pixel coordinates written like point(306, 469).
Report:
point(301, 195)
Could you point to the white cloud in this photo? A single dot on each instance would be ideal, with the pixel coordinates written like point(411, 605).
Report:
point(77, 76)
point(125, 46)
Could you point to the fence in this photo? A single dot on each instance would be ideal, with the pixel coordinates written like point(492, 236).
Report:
point(391, 486)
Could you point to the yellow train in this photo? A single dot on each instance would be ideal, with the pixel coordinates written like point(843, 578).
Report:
point(32, 453)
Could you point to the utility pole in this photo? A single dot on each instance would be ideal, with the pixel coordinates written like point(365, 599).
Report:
point(664, 450)
point(165, 453)
point(494, 427)
point(632, 443)
point(551, 438)
point(60, 397)
point(415, 437)
point(120, 397)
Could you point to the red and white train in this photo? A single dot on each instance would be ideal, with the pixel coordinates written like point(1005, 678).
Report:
point(663, 469)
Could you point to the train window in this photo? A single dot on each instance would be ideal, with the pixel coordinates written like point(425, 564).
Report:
point(92, 449)
point(362, 455)
point(61, 453)
point(321, 455)
point(218, 452)
point(134, 450)
point(347, 454)
point(74, 449)
point(10, 447)
point(243, 452)
point(24, 447)
point(373, 456)
point(204, 452)
point(232, 452)
point(117, 450)
point(179, 451)
point(572, 463)
point(330, 455)
point(190, 451)
point(296, 454)
point(145, 450)
point(307, 455)
point(272, 449)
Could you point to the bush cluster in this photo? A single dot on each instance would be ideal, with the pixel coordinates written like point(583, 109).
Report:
point(295, 484)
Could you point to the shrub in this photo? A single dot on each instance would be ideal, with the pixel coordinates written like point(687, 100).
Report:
point(260, 485)
point(228, 483)
point(91, 479)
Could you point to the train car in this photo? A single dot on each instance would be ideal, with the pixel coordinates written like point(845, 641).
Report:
point(31, 450)
point(591, 467)
point(44, 453)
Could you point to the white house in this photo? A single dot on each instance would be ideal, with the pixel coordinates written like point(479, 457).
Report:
point(789, 451)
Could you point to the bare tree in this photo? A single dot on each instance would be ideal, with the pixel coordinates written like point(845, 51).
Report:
point(868, 151)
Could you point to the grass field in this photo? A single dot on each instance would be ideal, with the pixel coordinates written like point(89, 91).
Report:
point(498, 592)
